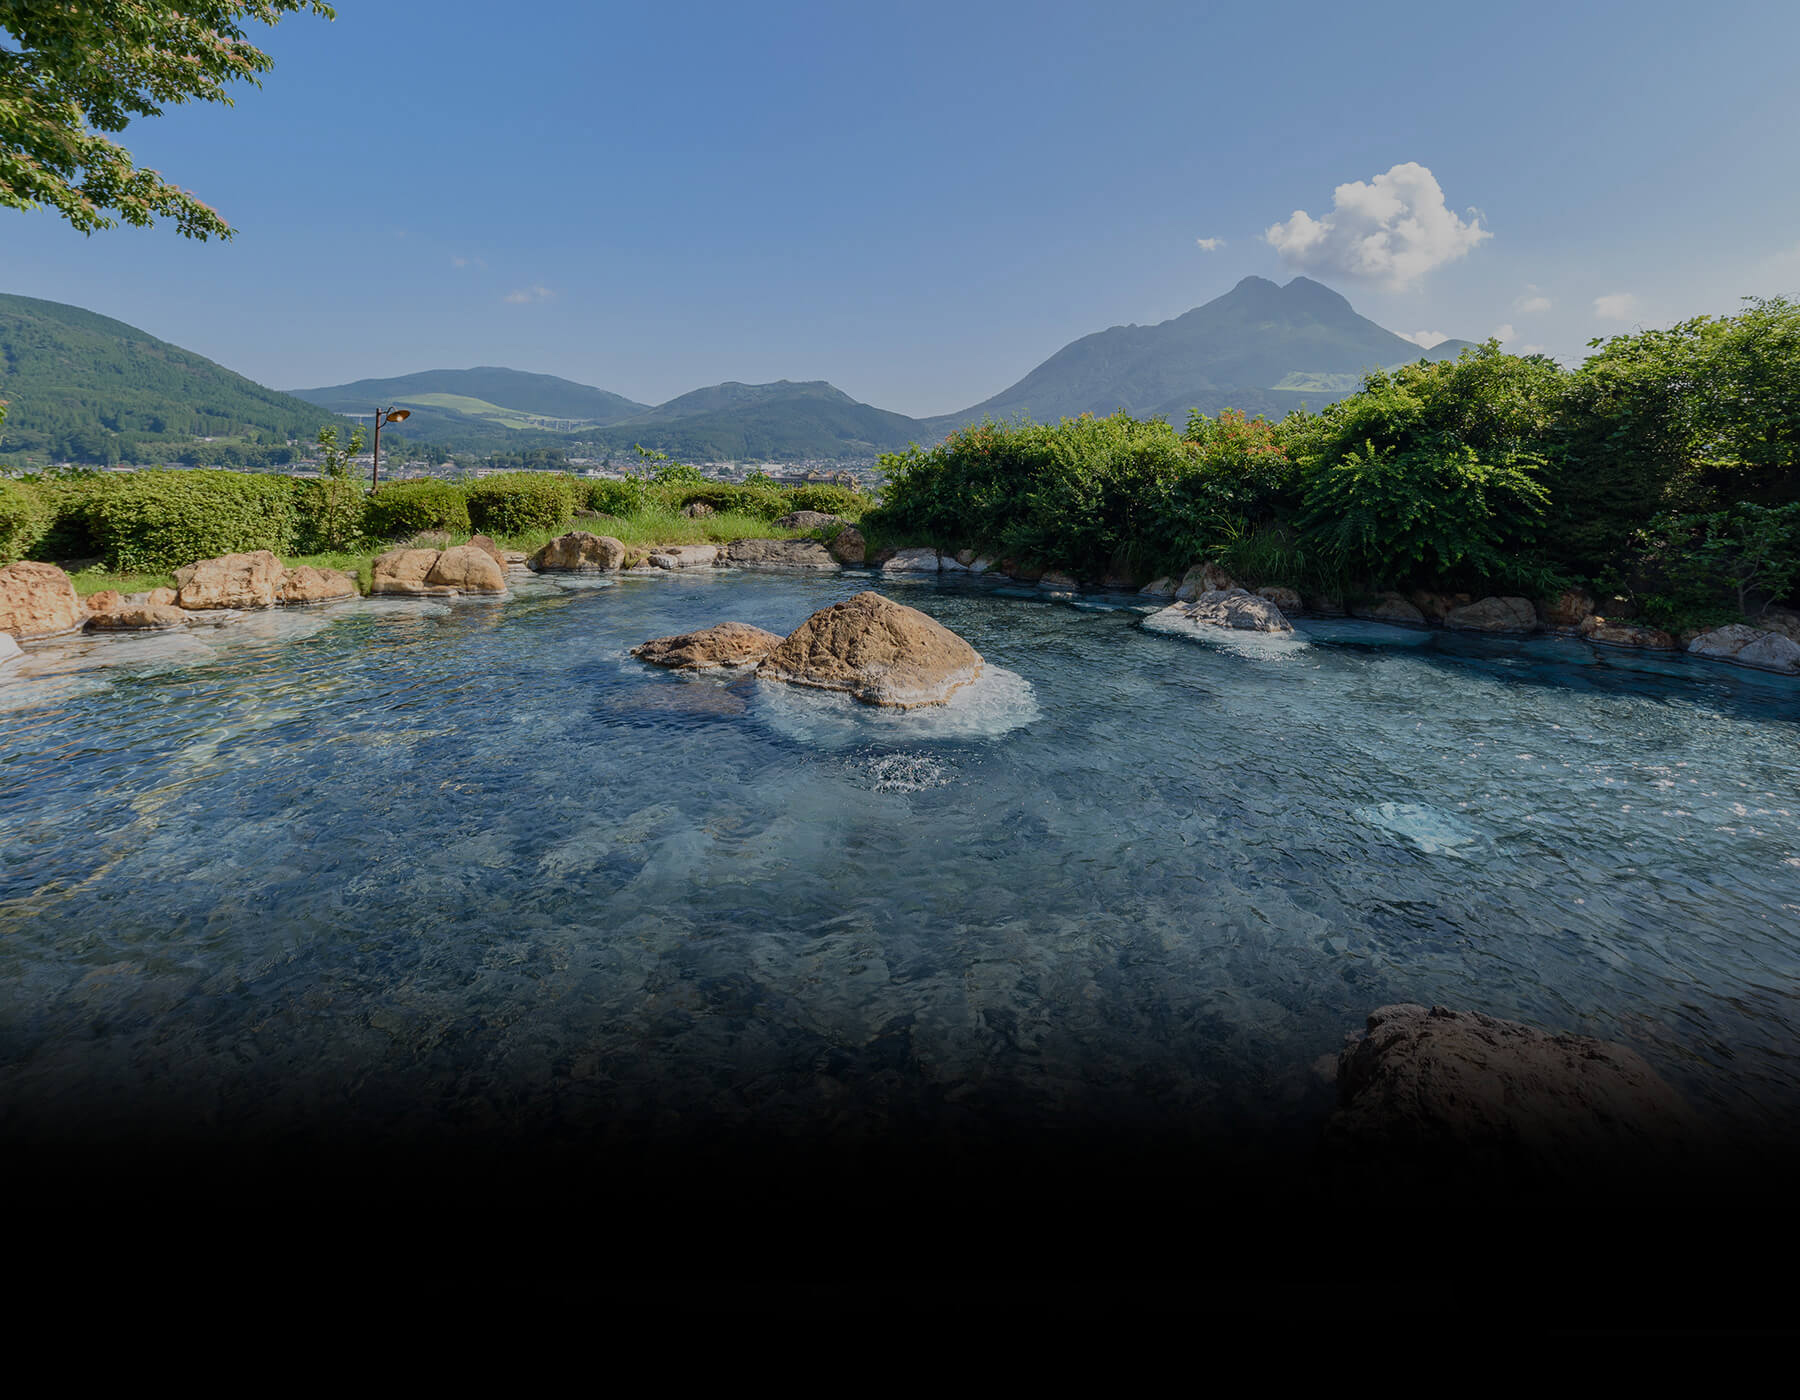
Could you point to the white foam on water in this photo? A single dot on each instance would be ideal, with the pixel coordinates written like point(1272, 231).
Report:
point(906, 772)
point(997, 702)
point(1265, 646)
point(1432, 831)
point(577, 583)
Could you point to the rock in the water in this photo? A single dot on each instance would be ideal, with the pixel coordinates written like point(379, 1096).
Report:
point(913, 561)
point(949, 564)
point(1570, 608)
point(407, 571)
point(1284, 598)
point(230, 581)
point(965, 557)
point(728, 644)
point(880, 651)
point(1389, 607)
point(10, 650)
point(139, 617)
point(1749, 646)
point(164, 596)
point(1228, 608)
point(1626, 634)
point(980, 564)
point(1058, 581)
point(1782, 620)
point(486, 545)
point(105, 601)
point(579, 552)
point(1437, 606)
point(468, 569)
point(1456, 1100)
point(1511, 615)
point(514, 558)
point(1203, 578)
point(780, 554)
point(307, 584)
point(805, 520)
point(37, 600)
point(683, 556)
point(1159, 588)
point(848, 546)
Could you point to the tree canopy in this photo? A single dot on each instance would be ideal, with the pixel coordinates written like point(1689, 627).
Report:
point(69, 73)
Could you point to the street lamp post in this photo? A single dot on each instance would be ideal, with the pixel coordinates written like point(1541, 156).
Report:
point(382, 418)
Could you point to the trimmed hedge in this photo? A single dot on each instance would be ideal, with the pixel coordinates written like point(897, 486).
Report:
point(743, 500)
point(27, 511)
point(405, 508)
point(829, 500)
point(153, 521)
point(626, 497)
point(514, 503)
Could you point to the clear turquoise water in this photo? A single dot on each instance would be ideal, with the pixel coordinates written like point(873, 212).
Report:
point(413, 866)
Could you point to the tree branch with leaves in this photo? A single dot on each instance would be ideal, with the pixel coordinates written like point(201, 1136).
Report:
point(71, 73)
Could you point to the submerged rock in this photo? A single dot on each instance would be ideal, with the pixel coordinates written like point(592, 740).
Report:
point(307, 584)
point(848, 546)
point(1512, 615)
point(230, 581)
point(780, 554)
point(726, 645)
point(1749, 646)
point(1626, 634)
point(37, 600)
point(469, 569)
point(580, 552)
point(1227, 608)
point(877, 650)
point(407, 571)
point(913, 561)
point(1457, 1100)
point(1204, 578)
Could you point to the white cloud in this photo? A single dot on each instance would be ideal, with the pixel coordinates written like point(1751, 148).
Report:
point(1503, 332)
point(1424, 339)
point(1616, 306)
point(468, 262)
point(1392, 230)
point(1209, 245)
point(525, 294)
point(1533, 300)
point(1529, 350)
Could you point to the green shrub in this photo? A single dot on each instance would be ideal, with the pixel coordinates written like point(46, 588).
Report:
point(403, 508)
point(832, 500)
point(625, 497)
point(515, 502)
point(728, 499)
point(27, 511)
point(153, 521)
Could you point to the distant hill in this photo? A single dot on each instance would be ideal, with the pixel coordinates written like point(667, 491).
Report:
point(784, 421)
point(1260, 348)
point(86, 388)
point(486, 405)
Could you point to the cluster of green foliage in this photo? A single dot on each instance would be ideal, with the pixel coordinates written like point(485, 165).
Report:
point(161, 520)
point(514, 502)
point(403, 508)
point(27, 511)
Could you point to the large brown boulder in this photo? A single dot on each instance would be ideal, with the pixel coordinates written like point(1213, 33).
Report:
point(1233, 608)
point(1437, 606)
point(780, 554)
point(486, 545)
point(879, 651)
point(37, 600)
point(1749, 646)
point(728, 644)
point(848, 546)
point(407, 572)
point(579, 552)
point(1510, 615)
point(105, 601)
point(230, 581)
point(307, 584)
point(139, 617)
point(1203, 578)
point(1457, 1100)
point(469, 569)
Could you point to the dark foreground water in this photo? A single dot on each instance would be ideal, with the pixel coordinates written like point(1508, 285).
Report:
point(413, 873)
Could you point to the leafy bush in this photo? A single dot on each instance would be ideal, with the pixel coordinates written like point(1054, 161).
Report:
point(514, 502)
point(625, 497)
point(832, 500)
point(1746, 554)
point(403, 508)
point(27, 512)
point(762, 502)
point(159, 520)
point(1394, 516)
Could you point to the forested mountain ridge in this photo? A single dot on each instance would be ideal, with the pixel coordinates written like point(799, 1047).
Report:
point(84, 387)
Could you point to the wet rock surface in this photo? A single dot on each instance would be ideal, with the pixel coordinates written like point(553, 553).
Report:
point(407, 572)
point(250, 580)
point(729, 644)
point(878, 651)
point(1504, 615)
point(1749, 646)
point(780, 554)
point(37, 600)
point(1234, 608)
point(579, 551)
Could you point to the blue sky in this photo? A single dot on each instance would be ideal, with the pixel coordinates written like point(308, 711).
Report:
point(920, 202)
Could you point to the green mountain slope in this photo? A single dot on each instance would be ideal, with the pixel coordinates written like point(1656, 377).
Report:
point(784, 421)
point(1260, 347)
point(523, 395)
point(86, 388)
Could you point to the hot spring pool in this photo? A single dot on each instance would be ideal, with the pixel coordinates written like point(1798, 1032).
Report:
point(410, 866)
